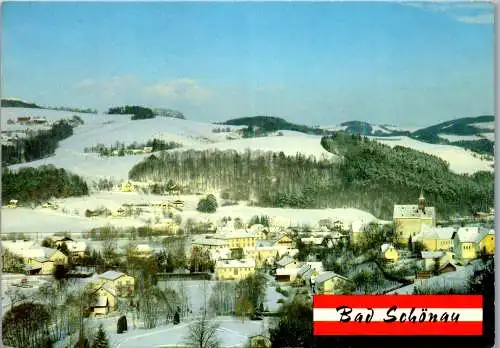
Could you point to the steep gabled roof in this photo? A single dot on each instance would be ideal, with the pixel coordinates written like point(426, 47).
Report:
point(112, 275)
point(329, 275)
point(286, 260)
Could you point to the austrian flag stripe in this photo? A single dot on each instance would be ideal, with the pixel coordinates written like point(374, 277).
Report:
point(398, 315)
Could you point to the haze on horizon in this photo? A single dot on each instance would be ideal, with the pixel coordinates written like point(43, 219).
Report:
point(310, 63)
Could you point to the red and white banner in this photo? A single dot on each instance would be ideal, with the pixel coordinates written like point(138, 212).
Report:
point(398, 315)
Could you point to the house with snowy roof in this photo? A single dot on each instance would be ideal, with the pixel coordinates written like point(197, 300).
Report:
point(264, 252)
point(331, 283)
point(37, 259)
point(435, 238)
point(357, 231)
point(234, 269)
point(208, 241)
point(431, 258)
point(104, 299)
point(236, 239)
point(470, 242)
point(409, 219)
point(389, 252)
point(309, 271)
point(122, 283)
point(287, 269)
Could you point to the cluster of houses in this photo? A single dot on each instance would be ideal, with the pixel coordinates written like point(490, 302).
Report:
point(41, 260)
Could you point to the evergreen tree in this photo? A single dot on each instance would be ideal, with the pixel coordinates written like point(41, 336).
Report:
point(177, 319)
point(100, 341)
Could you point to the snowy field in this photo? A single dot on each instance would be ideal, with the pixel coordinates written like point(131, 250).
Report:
point(232, 332)
point(109, 129)
point(44, 220)
point(484, 125)
point(461, 160)
point(452, 137)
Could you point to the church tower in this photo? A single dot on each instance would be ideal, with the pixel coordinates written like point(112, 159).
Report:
point(421, 202)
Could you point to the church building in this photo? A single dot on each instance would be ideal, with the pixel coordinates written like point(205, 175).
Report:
point(409, 219)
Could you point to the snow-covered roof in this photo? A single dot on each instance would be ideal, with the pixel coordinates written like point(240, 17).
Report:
point(243, 263)
point(386, 246)
point(76, 247)
point(241, 233)
point(111, 275)
point(208, 240)
point(312, 240)
point(473, 234)
point(285, 261)
point(143, 248)
point(287, 271)
point(57, 238)
point(432, 254)
point(357, 226)
point(29, 249)
point(439, 233)
point(413, 211)
point(328, 275)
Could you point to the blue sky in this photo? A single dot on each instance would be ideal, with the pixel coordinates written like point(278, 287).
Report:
point(318, 63)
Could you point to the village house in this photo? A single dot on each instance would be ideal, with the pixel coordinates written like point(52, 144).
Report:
point(122, 283)
point(330, 283)
point(409, 219)
point(166, 225)
point(287, 269)
point(37, 259)
point(470, 242)
point(260, 231)
point(284, 242)
point(308, 272)
point(127, 186)
point(76, 249)
point(389, 252)
point(142, 251)
point(237, 239)
point(234, 269)
point(440, 257)
point(264, 251)
point(219, 254)
point(356, 232)
point(104, 299)
point(435, 238)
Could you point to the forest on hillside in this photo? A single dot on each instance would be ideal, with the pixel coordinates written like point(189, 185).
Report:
point(40, 144)
point(137, 112)
point(369, 176)
point(29, 184)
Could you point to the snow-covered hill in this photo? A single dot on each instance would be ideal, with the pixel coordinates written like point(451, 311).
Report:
point(461, 161)
point(109, 129)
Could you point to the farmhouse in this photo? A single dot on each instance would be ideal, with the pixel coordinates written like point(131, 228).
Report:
point(409, 219)
point(309, 271)
point(234, 269)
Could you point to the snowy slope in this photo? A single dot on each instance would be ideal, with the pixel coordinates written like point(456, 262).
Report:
point(461, 160)
point(109, 129)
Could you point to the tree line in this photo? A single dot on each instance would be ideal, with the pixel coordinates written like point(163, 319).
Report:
point(368, 176)
point(30, 185)
point(137, 112)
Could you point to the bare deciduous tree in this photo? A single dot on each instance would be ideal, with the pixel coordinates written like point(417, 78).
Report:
point(203, 332)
